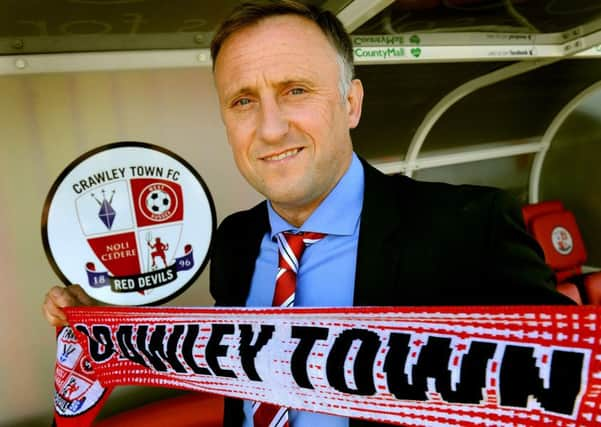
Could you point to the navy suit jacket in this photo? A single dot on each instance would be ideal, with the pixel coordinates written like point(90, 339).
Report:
point(420, 244)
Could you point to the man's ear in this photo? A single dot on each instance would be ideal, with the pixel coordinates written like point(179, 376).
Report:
point(354, 102)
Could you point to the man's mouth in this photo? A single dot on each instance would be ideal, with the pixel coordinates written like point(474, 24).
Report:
point(283, 155)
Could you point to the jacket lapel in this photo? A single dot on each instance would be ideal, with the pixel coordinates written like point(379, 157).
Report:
point(378, 255)
point(246, 251)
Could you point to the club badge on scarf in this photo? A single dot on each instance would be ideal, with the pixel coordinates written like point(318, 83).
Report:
point(78, 395)
point(452, 366)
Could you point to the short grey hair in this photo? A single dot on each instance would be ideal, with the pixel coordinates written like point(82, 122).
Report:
point(249, 13)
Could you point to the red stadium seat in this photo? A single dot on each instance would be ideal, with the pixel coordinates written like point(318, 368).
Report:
point(556, 231)
point(531, 211)
point(571, 291)
point(592, 287)
point(189, 410)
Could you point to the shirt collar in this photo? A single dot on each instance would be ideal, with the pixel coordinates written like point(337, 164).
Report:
point(346, 197)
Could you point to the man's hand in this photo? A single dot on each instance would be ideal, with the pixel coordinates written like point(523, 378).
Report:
point(59, 297)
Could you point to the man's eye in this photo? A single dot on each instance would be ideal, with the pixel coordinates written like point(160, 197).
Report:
point(242, 102)
point(297, 91)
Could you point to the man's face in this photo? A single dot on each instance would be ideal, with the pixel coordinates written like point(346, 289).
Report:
point(286, 121)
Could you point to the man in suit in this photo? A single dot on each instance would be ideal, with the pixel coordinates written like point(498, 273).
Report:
point(283, 73)
point(284, 76)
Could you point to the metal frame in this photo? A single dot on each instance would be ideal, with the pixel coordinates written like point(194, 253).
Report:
point(360, 11)
point(444, 47)
point(459, 156)
point(71, 43)
point(539, 159)
point(172, 58)
point(455, 96)
point(103, 61)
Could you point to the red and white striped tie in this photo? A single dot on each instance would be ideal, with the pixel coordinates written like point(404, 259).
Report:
point(291, 248)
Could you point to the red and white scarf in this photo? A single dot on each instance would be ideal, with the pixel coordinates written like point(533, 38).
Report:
point(455, 366)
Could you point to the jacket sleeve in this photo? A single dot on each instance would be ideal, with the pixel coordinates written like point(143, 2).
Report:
point(516, 262)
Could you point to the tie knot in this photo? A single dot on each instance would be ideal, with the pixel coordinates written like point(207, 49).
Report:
point(307, 237)
point(292, 245)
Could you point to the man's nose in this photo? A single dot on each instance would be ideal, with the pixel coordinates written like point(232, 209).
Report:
point(273, 122)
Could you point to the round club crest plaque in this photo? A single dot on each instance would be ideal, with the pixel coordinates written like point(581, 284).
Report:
point(130, 222)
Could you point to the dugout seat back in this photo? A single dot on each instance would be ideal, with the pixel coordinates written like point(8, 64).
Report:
point(557, 233)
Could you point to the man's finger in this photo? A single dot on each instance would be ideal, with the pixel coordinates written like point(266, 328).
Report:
point(55, 321)
point(62, 297)
point(54, 315)
point(58, 298)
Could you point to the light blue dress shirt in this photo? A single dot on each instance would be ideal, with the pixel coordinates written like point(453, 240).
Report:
point(326, 277)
